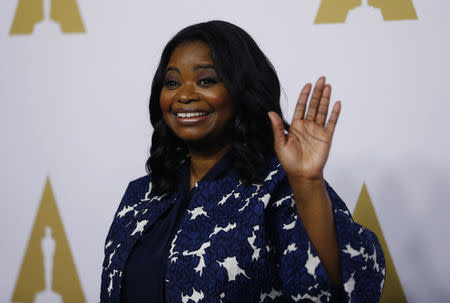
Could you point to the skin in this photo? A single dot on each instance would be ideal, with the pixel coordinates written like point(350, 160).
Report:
point(192, 84)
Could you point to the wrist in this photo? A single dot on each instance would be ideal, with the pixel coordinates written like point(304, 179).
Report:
point(308, 192)
point(307, 182)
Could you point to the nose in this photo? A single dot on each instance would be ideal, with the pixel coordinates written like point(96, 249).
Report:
point(188, 93)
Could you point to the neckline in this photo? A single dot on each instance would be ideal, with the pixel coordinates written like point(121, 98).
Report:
point(220, 168)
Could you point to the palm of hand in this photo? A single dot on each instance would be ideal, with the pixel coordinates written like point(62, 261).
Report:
point(304, 150)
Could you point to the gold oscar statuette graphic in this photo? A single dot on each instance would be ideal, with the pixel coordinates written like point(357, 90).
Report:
point(336, 11)
point(365, 215)
point(48, 273)
point(30, 13)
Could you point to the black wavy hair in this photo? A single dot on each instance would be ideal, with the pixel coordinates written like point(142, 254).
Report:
point(253, 86)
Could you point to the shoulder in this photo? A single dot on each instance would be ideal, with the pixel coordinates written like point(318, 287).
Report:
point(274, 176)
point(137, 189)
point(140, 182)
point(273, 186)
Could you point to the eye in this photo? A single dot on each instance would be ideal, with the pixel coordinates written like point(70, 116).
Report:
point(170, 84)
point(207, 82)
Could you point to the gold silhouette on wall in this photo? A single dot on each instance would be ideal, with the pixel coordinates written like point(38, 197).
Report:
point(335, 11)
point(365, 215)
point(48, 273)
point(48, 250)
point(63, 12)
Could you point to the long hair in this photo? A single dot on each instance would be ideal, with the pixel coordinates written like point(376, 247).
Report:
point(254, 88)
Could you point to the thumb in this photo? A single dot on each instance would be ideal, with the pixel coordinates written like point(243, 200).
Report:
point(279, 138)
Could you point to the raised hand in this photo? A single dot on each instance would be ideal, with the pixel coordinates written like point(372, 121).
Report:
point(303, 151)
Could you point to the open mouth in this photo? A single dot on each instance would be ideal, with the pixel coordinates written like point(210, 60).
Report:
point(191, 114)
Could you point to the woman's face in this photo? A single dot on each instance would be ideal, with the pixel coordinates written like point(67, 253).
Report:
point(194, 102)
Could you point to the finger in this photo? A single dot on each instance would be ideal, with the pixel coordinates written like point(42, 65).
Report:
point(331, 125)
point(300, 108)
point(322, 111)
point(279, 138)
point(315, 98)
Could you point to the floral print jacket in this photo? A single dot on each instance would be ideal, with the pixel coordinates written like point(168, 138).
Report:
point(242, 243)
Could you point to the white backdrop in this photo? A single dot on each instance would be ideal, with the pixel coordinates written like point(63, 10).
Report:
point(74, 108)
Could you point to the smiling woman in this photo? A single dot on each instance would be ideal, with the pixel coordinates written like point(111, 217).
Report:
point(194, 101)
point(229, 61)
point(235, 207)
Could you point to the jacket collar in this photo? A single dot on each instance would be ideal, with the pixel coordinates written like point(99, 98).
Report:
point(151, 207)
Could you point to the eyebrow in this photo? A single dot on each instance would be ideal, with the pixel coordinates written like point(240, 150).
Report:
point(197, 67)
point(173, 68)
point(204, 66)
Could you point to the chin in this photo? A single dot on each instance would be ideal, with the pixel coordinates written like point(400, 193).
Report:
point(191, 138)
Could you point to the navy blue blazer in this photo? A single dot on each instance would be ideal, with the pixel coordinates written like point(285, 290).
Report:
point(242, 243)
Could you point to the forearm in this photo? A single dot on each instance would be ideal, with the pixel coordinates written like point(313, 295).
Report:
point(316, 212)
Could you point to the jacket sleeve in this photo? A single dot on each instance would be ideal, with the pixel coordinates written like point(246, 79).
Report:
point(112, 243)
point(301, 273)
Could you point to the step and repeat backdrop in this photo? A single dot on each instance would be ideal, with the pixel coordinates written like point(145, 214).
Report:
point(75, 78)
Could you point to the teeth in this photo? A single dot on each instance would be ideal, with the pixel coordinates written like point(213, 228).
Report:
point(190, 115)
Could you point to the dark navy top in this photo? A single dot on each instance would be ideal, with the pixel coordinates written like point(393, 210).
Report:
point(144, 272)
point(143, 279)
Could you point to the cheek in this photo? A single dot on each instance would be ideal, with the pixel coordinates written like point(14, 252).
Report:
point(222, 102)
point(165, 105)
point(164, 102)
point(227, 107)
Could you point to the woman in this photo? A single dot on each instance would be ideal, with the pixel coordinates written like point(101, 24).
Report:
point(234, 208)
